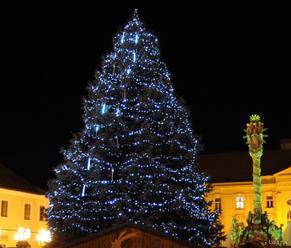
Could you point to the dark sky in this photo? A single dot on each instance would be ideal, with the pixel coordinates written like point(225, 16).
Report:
point(227, 61)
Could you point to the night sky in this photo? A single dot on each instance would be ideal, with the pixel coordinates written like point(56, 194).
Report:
point(227, 61)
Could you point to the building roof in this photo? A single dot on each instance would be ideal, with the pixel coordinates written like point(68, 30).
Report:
point(237, 166)
point(120, 227)
point(9, 180)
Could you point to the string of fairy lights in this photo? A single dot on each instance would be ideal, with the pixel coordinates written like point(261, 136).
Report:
point(134, 160)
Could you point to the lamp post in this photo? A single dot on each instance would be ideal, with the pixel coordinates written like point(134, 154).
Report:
point(22, 235)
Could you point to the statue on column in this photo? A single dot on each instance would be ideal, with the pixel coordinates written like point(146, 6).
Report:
point(259, 230)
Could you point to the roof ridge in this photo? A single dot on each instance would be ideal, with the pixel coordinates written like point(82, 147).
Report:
point(240, 152)
point(11, 180)
point(120, 226)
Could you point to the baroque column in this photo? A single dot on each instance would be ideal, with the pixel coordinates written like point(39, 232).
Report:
point(259, 228)
point(255, 140)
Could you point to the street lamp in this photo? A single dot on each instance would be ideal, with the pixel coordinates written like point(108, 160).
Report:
point(43, 236)
point(22, 234)
point(21, 237)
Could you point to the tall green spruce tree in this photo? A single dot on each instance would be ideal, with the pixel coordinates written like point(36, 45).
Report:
point(134, 161)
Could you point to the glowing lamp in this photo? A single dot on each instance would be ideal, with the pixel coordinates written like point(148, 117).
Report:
point(22, 234)
point(43, 236)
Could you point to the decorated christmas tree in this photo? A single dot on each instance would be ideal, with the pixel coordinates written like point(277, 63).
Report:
point(134, 161)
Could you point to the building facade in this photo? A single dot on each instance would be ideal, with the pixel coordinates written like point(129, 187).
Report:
point(232, 188)
point(21, 206)
point(235, 200)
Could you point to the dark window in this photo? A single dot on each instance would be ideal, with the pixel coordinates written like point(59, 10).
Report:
point(4, 208)
point(270, 202)
point(42, 213)
point(217, 204)
point(27, 208)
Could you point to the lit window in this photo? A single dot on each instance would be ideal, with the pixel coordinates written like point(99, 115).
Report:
point(27, 208)
point(270, 202)
point(4, 208)
point(217, 204)
point(42, 213)
point(240, 200)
